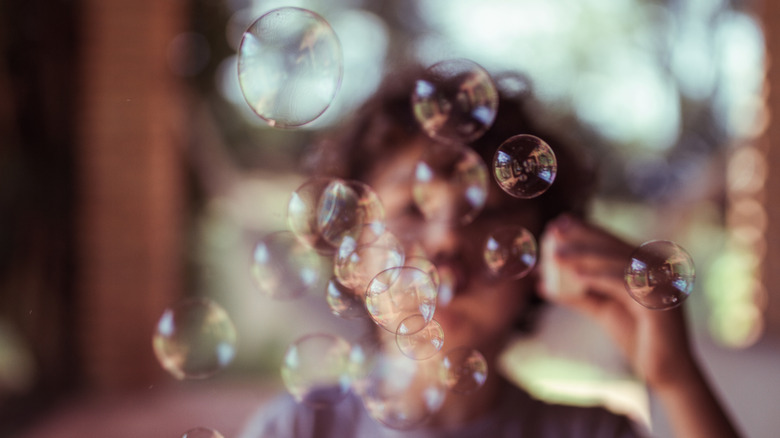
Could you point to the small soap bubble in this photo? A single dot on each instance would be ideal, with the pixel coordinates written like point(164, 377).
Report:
point(194, 339)
point(343, 301)
point(510, 252)
point(289, 66)
point(357, 262)
point(283, 268)
point(323, 211)
point(202, 432)
point(418, 339)
point(400, 392)
point(524, 166)
point(455, 101)
point(398, 293)
point(464, 370)
point(660, 275)
point(316, 369)
point(350, 208)
point(450, 184)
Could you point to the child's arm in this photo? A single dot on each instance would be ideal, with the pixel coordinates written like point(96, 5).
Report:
point(655, 342)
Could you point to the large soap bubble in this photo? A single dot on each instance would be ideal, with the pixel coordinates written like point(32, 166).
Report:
point(289, 66)
point(455, 100)
point(194, 339)
point(660, 275)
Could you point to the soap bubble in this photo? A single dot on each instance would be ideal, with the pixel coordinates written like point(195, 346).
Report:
point(343, 301)
point(194, 339)
point(323, 211)
point(510, 252)
point(450, 184)
point(350, 208)
point(464, 370)
point(357, 262)
point(524, 166)
point(202, 432)
point(316, 369)
point(289, 66)
point(397, 293)
point(425, 265)
point(283, 268)
point(418, 339)
point(400, 392)
point(660, 275)
point(302, 213)
point(455, 100)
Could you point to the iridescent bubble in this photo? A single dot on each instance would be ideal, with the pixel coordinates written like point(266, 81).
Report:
point(450, 184)
point(425, 265)
point(202, 432)
point(357, 262)
point(316, 369)
point(524, 166)
point(302, 213)
point(400, 392)
point(418, 339)
point(323, 211)
point(398, 293)
point(289, 66)
point(464, 370)
point(283, 268)
point(194, 339)
point(343, 301)
point(455, 100)
point(510, 252)
point(350, 208)
point(660, 275)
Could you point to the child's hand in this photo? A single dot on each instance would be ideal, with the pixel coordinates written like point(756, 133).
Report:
point(582, 267)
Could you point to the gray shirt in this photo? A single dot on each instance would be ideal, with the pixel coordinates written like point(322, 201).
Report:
point(519, 415)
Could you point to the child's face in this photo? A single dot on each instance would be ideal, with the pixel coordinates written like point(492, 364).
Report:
point(483, 309)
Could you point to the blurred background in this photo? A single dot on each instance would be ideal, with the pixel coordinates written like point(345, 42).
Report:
point(133, 174)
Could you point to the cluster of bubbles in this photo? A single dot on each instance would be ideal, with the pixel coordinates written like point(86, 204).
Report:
point(290, 70)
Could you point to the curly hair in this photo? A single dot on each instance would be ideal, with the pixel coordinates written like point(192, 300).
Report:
point(385, 124)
